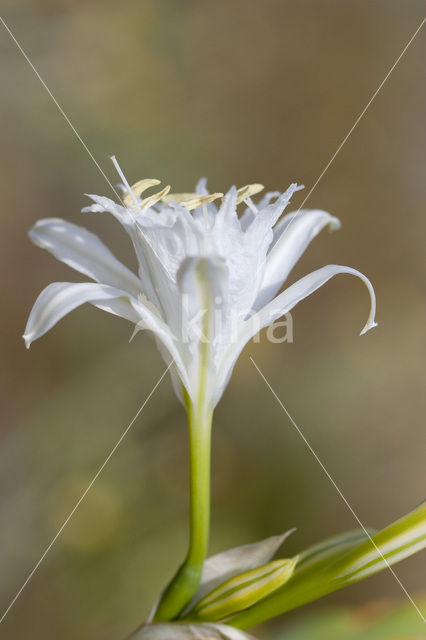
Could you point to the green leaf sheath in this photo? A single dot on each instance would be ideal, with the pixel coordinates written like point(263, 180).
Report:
point(396, 542)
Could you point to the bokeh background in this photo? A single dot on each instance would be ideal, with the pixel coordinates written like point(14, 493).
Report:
point(240, 91)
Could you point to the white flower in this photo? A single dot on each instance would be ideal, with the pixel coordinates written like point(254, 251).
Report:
point(208, 279)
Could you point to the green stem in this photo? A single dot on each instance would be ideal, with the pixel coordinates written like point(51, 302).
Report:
point(187, 579)
point(184, 585)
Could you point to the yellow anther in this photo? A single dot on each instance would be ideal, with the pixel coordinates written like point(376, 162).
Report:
point(200, 200)
point(156, 197)
point(142, 185)
point(191, 200)
point(138, 188)
point(180, 197)
point(248, 191)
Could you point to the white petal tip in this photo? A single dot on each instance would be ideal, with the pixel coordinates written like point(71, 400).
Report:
point(27, 341)
point(368, 326)
point(334, 224)
point(135, 332)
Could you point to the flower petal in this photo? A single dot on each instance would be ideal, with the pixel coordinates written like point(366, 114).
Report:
point(203, 283)
point(84, 251)
point(167, 342)
point(292, 236)
point(59, 298)
point(288, 299)
point(248, 215)
point(104, 204)
point(178, 631)
point(268, 216)
point(131, 223)
point(280, 305)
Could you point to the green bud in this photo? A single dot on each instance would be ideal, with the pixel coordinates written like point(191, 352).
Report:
point(243, 590)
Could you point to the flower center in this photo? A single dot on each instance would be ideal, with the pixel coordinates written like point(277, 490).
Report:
point(132, 199)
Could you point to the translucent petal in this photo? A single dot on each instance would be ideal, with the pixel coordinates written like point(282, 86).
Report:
point(84, 252)
point(294, 234)
point(178, 631)
point(282, 304)
point(59, 298)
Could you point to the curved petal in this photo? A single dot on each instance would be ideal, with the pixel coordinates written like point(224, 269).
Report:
point(195, 631)
point(292, 236)
point(167, 342)
point(268, 216)
point(201, 187)
point(303, 288)
point(59, 298)
point(103, 204)
point(130, 222)
point(84, 252)
point(283, 303)
point(248, 215)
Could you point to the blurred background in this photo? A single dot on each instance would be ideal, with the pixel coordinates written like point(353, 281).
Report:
point(241, 92)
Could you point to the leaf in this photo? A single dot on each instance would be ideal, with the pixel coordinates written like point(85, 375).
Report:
point(398, 541)
point(227, 564)
point(326, 550)
point(321, 572)
point(372, 621)
point(242, 591)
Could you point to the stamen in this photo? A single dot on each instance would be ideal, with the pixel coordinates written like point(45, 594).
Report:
point(249, 202)
point(139, 187)
point(156, 197)
point(180, 197)
point(121, 174)
point(200, 200)
point(142, 185)
point(247, 191)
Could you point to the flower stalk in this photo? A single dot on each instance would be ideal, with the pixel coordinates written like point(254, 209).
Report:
point(185, 583)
